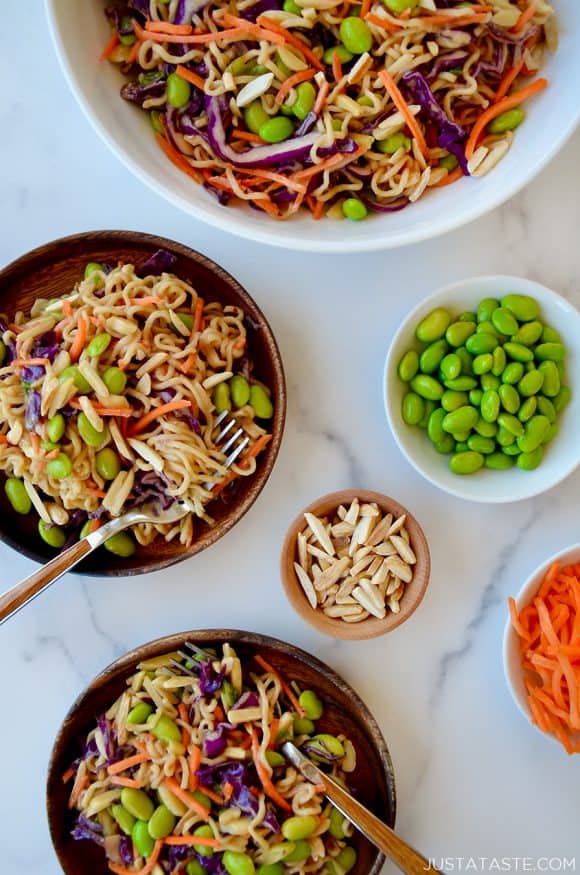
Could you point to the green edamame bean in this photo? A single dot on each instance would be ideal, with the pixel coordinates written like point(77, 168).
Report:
point(354, 209)
point(194, 867)
point(2, 352)
point(125, 820)
point(221, 397)
point(99, 344)
point(490, 405)
point(510, 423)
point(292, 7)
point(107, 463)
point(206, 832)
point(466, 463)
point(450, 366)
point(499, 462)
point(530, 461)
point(461, 447)
point(156, 123)
point(461, 420)
point(327, 744)
point(446, 445)
point(141, 839)
point(399, 6)
point(54, 536)
point(432, 356)
point(427, 387)
point(551, 433)
point(478, 344)
point(461, 384)
point(271, 869)
point(504, 321)
point(489, 381)
point(311, 704)
point(121, 544)
point(393, 143)
point(237, 863)
point(274, 759)
point(276, 129)
point(562, 399)
point(486, 308)
point(303, 726)
point(467, 315)
point(433, 326)
point(489, 328)
point(485, 429)
point(460, 437)
point(524, 308)
point(202, 799)
point(297, 851)
point(429, 408)
point(408, 366)
point(137, 803)
point(451, 400)
point(89, 433)
point(238, 67)
point(346, 858)
point(115, 380)
point(299, 827)
point(550, 335)
point(513, 373)
point(529, 333)
point(178, 91)
point(305, 97)
point(479, 444)
point(161, 823)
point(551, 384)
point(511, 449)
point(337, 824)
point(554, 352)
point(506, 121)
point(92, 268)
point(527, 409)
point(435, 429)
point(475, 397)
point(458, 333)
point(546, 408)
point(239, 390)
point(531, 383)
point(356, 35)
point(140, 713)
point(82, 385)
point(518, 352)
point(510, 400)
point(260, 402)
point(165, 728)
point(17, 495)
point(449, 163)
point(499, 361)
point(60, 467)
point(255, 116)
point(230, 694)
point(55, 427)
point(482, 363)
point(466, 361)
point(535, 432)
point(341, 52)
point(504, 437)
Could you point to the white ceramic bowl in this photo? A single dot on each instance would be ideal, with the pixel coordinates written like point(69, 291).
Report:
point(511, 654)
point(563, 454)
point(80, 31)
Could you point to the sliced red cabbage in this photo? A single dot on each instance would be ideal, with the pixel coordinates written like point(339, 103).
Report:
point(9, 344)
point(251, 13)
point(138, 92)
point(505, 36)
point(377, 207)
point(186, 9)
point(141, 6)
point(247, 700)
point(214, 743)
point(88, 829)
point(160, 262)
point(32, 410)
point(107, 732)
point(307, 124)
point(447, 62)
point(210, 681)
point(118, 14)
point(126, 850)
point(222, 197)
point(46, 346)
point(450, 135)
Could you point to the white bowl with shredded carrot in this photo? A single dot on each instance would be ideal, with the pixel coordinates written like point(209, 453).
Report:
point(542, 648)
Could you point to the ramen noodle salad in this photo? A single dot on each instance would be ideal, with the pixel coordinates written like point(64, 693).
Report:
point(335, 106)
point(183, 774)
point(109, 396)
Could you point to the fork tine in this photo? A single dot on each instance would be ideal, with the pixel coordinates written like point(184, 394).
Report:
point(231, 424)
point(181, 667)
point(220, 418)
point(232, 440)
point(240, 448)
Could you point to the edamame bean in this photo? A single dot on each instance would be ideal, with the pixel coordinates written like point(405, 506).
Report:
point(529, 333)
point(524, 308)
point(478, 344)
point(115, 380)
point(499, 461)
point(512, 449)
point(562, 399)
point(346, 858)
point(449, 163)
point(451, 400)
point(466, 361)
point(92, 268)
point(311, 704)
point(551, 384)
point(239, 390)
point(60, 467)
point(460, 447)
point(510, 400)
point(297, 851)
point(460, 436)
point(451, 366)
point(408, 366)
point(107, 463)
point(305, 97)
point(504, 321)
point(137, 803)
point(433, 326)
point(466, 463)
point(446, 445)
point(490, 405)
point(499, 361)
point(527, 409)
point(467, 315)
point(99, 344)
point(121, 544)
point(427, 387)
point(194, 867)
point(125, 820)
point(518, 352)
point(535, 432)
point(432, 356)
point(237, 863)
point(178, 91)
point(489, 328)
point(221, 397)
point(327, 744)
point(299, 827)
point(89, 433)
point(204, 831)
point(2, 352)
point(162, 823)
point(303, 726)
point(530, 461)
point(479, 444)
point(165, 728)
point(486, 308)
point(202, 799)
point(17, 495)
point(337, 824)
point(475, 397)
point(506, 121)
point(393, 143)
point(354, 209)
point(489, 381)
point(399, 6)
point(143, 842)
point(341, 52)
point(292, 7)
point(54, 536)
point(458, 333)
point(551, 433)
point(483, 363)
point(271, 869)
point(513, 373)
point(553, 352)
point(435, 429)
point(156, 123)
point(140, 713)
point(82, 385)
point(546, 408)
point(504, 437)
point(485, 429)
point(531, 383)
point(255, 116)
point(260, 402)
point(461, 384)
point(461, 420)
point(510, 423)
point(356, 35)
point(550, 335)
point(274, 759)
point(276, 129)
point(55, 427)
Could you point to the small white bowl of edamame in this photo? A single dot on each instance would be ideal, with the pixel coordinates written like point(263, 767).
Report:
point(496, 419)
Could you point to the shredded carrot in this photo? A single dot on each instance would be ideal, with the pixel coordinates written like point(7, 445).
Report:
point(333, 162)
point(156, 413)
point(383, 23)
point(497, 108)
point(213, 795)
point(78, 343)
point(291, 81)
point(507, 81)
point(119, 781)
point(198, 318)
point(365, 8)
point(247, 136)
point(132, 56)
point(318, 209)
point(188, 363)
point(35, 441)
point(127, 763)
point(231, 35)
point(186, 798)
point(437, 21)
point(228, 791)
point(52, 455)
point(274, 724)
point(449, 179)
point(70, 773)
point(148, 300)
point(146, 869)
point(525, 17)
point(95, 524)
point(104, 411)
point(203, 841)
point(263, 775)
point(307, 52)
point(194, 764)
point(110, 47)
point(266, 204)
point(66, 308)
point(178, 160)
point(79, 785)
point(168, 27)
point(403, 108)
point(336, 67)
point(321, 98)
point(190, 77)
point(289, 693)
point(26, 363)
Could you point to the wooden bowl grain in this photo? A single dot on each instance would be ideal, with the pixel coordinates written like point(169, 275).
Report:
point(372, 627)
point(53, 270)
point(373, 782)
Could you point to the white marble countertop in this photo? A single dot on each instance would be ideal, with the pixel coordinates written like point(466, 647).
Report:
point(473, 779)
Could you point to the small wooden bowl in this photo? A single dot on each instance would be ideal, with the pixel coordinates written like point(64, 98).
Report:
point(373, 781)
point(53, 270)
point(372, 627)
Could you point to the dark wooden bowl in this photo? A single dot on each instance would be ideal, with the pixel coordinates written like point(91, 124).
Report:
point(53, 270)
point(373, 782)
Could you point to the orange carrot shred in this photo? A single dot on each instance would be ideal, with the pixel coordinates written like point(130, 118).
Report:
point(78, 343)
point(133, 783)
point(299, 44)
point(127, 763)
point(190, 77)
point(321, 98)
point(400, 103)
point(525, 17)
point(263, 775)
point(168, 27)
point(110, 47)
point(146, 869)
point(156, 413)
point(291, 81)
point(336, 67)
point(507, 81)
point(287, 689)
point(194, 764)
point(203, 841)
point(498, 108)
point(186, 798)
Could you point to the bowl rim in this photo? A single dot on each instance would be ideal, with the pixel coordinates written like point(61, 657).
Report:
point(169, 642)
point(372, 627)
point(135, 238)
point(523, 598)
point(476, 207)
point(528, 286)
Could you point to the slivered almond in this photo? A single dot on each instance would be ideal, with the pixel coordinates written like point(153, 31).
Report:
point(352, 513)
point(361, 565)
point(306, 585)
point(399, 568)
point(341, 529)
point(320, 533)
point(396, 526)
point(381, 574)
point(303, 556)
point(341, 512)
point(403, 549)
point(380, 531)
point(333, 573)
point(370, 510)
point(386, 549)
point(363, 599)
point(375, 565)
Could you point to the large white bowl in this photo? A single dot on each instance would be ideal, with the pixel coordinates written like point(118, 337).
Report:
point(80, 30)
point(562, 456)
point(512, 664)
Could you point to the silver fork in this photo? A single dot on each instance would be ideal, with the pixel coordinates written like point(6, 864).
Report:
point(15, 598)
